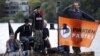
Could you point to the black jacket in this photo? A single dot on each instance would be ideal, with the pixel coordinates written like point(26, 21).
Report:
point(24, 30)
point(37, 20)
point(45, 33)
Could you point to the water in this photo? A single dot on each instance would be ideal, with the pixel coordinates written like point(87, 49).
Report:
point(53, 38)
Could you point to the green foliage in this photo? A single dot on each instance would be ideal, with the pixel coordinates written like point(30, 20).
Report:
point(50, 11)
point(91, 7)
point(98, 14)
point(4, 19)
point(2, 6)
point(19, 16)
point(34, 3)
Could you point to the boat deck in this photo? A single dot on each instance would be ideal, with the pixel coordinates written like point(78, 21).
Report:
point(57, 54)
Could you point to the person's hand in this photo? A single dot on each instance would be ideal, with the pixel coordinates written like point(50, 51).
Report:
point(97, 21)
point(46, 38)
point(9, 50)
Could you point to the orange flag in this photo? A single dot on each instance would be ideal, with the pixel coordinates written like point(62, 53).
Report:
point(76, 32)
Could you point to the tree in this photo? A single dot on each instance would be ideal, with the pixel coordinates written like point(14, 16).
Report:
point(4, 19)
point(19, 16)
point(50, 10)
point(2, 7)
point(33, 3)
point(89, 6)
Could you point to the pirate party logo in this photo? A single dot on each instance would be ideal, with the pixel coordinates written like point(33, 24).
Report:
point(65, 31)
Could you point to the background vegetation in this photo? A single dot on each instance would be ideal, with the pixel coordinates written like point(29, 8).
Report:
point(91, 7)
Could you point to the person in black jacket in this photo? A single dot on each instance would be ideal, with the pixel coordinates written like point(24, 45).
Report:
point(25, 34)
point(46, 35)
point(73, 11)
point(37, 18)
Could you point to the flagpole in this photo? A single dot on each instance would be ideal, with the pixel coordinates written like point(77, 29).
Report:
point(57, 12)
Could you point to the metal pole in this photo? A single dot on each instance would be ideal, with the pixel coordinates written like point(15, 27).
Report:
point(57, 11)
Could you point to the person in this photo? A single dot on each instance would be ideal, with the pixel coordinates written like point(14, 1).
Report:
point(12, 45)
point(37, 18)
point(46, 35)
point(37, 26)
point(25, 34)
point(73, 11)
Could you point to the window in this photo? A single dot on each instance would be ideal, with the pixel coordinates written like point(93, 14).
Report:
point(14, 7)
point(13, 12)
point(6, 12)
point(6, 7)
point(24, 3)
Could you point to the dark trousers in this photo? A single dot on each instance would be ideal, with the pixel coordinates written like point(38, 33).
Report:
point(26, 42)
point(66, 49)
point(47, 44)
point(75, 49)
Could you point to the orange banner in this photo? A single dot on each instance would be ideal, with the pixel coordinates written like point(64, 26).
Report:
point(76, 32)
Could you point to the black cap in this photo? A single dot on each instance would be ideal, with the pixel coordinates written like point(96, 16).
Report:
point(37, 7)
point(26, 20)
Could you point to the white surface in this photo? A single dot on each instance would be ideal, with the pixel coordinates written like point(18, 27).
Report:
point(53, 38)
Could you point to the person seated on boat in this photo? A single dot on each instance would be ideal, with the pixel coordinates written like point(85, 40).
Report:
point(12, 45)
point(25, 34)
